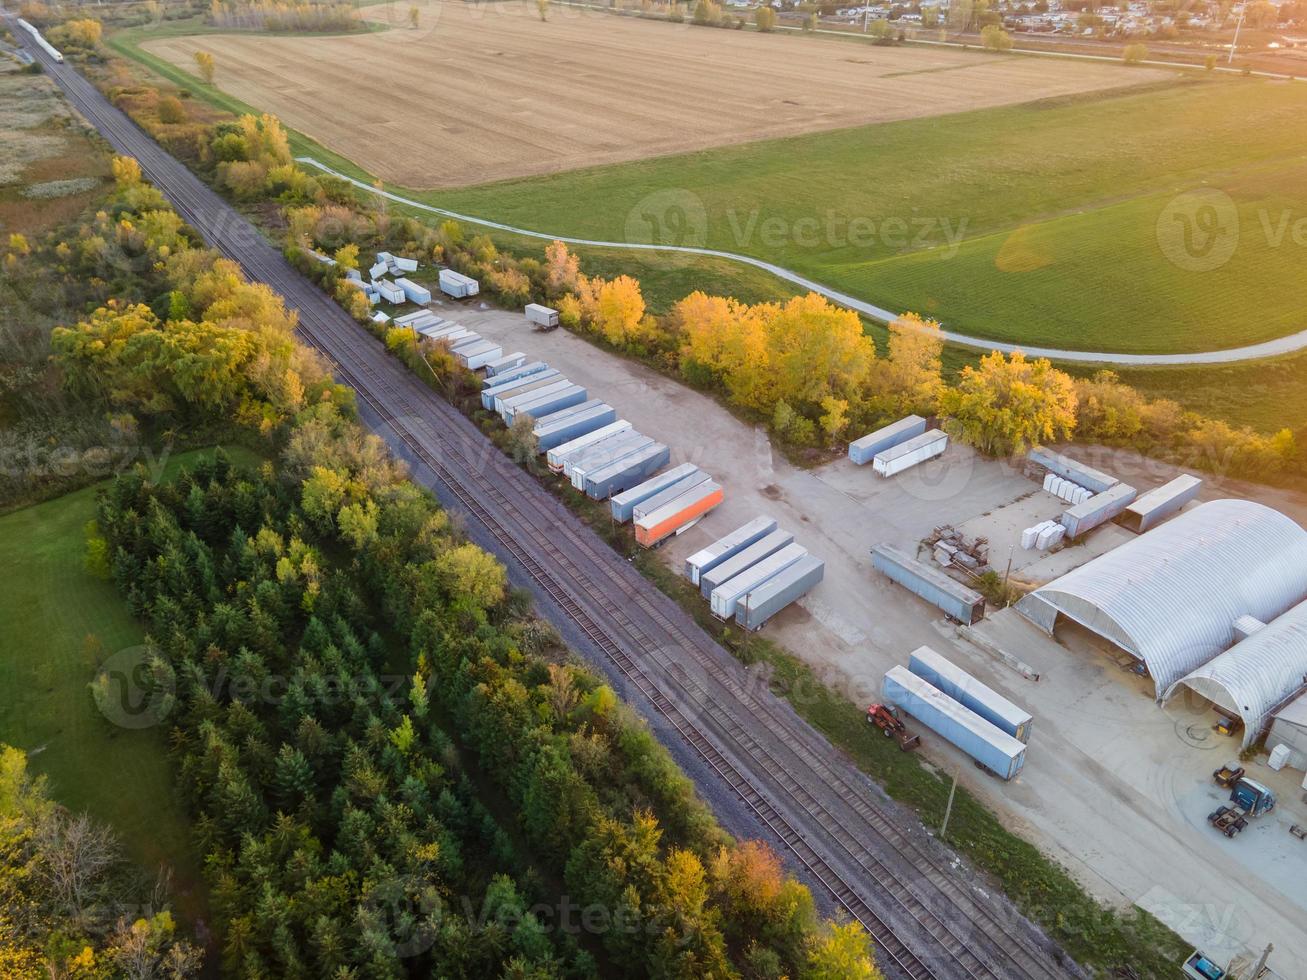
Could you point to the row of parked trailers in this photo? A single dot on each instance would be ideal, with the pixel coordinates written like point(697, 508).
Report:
point(472, 350)
point(668, 503)
point(753, 573)
point(898, 446)
point(962, 710)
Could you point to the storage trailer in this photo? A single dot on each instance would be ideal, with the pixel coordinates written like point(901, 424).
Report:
point(505, 363)
point(414, 292)
point(1098, 509)
point(1151, 508)
point(513, 374)
point(457, 285)
point(408, 319)
point(743, 560)
point(861, 451)
point(541, 317)
point(623, 505)
point(722, 601)
point(910, 452)
point(603, 454)
point(498, 394)
point(961, 603)
point(559, 455)
point(543, 402)
point(666, 495)
point(1069, 469)
point(560, 431)
point(388, 291)
point(992, 749)
point(403, 264)
point(478, 355)
point(602, 483)
point(677, 514)
point(788, 586)
point(948, 677)
point(725, 548)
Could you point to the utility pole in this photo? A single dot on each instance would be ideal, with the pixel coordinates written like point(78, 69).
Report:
point(1261, 963)
point(1243, 8)
point(948, 809)
point(1008, 574)
point(866, 15)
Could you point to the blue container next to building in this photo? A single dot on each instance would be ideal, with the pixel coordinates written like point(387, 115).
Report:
point(995, 750)
point(963, 604)
point(933, 668)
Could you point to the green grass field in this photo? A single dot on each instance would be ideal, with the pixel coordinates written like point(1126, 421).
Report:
point(56, 623)
point(1060, 203)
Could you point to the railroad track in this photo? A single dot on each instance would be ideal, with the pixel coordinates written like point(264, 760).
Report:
point(925, 921)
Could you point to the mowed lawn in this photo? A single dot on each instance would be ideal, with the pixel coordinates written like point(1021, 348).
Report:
point(54, 617)
point(1054, 207)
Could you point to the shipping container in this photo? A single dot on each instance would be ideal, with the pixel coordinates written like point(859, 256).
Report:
point(623, 505)
point(388, 291)
point(946, 676)
point(1049, 536)
point(993, 748)
point(447, 335)
point(603, 482)
point(560, 431)
point(541, 316)
point(497, 395)
point(907, 454)
point(961, 603)
point(1099, 508)
point(743, 560)
point(785, 587)
point(1067, 468)
point(665, 496)
point(380, 317)
point(461, 342)
point(410, 318)
point(603, 454)
point(478, 355)
point(728, 547)
point(457, 285)
point(558, 456)
point(513, 374)
point(543, 402)
point(505, 363)
point(1155, 506)
point(405, 265)
point(676, 515)
point(414, 292)
point(570, 410)
point(863, 450)
point(378, 270)
point(723, 600)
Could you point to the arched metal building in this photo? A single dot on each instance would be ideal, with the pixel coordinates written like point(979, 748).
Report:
point(1256, 676)
point(1170, 597)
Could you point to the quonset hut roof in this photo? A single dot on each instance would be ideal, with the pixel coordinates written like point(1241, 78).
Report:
point(1256, 676)
point(1170, 597)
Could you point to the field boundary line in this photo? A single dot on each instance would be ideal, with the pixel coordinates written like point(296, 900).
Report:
point(1270, 348)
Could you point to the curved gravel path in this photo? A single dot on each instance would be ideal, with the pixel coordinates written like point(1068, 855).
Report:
point(1269, 348)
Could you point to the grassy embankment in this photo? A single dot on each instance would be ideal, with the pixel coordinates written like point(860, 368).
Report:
point(57, 624)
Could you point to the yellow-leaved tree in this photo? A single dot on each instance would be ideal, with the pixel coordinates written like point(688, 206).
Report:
point(910, 378)
point(1007, 404)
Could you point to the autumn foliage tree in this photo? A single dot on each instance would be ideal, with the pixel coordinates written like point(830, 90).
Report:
point(1007, 404)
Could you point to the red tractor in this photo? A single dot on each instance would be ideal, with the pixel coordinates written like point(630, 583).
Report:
point(886, 718)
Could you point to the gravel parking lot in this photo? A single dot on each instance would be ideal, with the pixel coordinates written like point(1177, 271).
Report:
point(1115, 787)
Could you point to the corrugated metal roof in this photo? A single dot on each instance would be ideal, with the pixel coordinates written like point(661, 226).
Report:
point(1256, 675)
point(1171, 596)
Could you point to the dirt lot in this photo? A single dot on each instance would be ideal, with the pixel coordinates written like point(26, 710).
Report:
point(1115, 788)
point(488, 92)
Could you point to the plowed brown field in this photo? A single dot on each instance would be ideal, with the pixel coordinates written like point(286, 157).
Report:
point(489, 92)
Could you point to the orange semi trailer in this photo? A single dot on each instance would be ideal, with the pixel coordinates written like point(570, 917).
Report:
point(674, 515)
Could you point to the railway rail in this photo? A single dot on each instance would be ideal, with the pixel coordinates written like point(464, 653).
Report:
point(927, 922)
